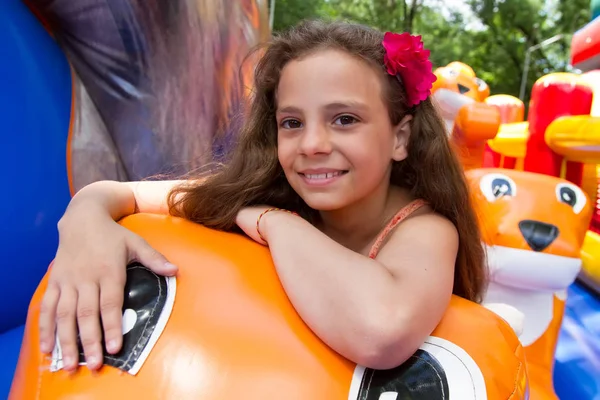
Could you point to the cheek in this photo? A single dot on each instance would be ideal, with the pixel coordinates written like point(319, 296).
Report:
point(374, 154)
point(285, 153)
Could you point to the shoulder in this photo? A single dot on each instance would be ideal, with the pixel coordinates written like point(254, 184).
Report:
point(424, 222)
point(424, 235)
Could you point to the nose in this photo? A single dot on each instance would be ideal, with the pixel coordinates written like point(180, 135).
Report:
point(538, 235)
point(315, 140)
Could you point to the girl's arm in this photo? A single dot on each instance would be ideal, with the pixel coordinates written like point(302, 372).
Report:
point(120, 199)
point(374, 312)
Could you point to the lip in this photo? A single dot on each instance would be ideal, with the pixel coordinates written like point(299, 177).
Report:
point(318, 176)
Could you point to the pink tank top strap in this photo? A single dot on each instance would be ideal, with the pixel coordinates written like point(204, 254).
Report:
point(399, 217)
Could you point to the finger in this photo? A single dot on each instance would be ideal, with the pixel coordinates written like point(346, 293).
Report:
point(48, 318)
point(88, 321)
point(111, 310)
point(66, 327)
point(141, 251)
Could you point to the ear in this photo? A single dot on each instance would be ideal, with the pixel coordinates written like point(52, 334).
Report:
point(402, 135)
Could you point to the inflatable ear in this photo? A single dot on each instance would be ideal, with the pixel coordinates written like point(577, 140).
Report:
point(462, 68)
point(229, 332)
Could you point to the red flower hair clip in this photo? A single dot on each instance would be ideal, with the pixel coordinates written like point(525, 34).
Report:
point(405, 57)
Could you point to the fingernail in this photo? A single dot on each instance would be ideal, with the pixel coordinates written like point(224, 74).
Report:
point(111, 346)
point(44, 347)
point(92, 361)
point(170, 266)
point(68, 361)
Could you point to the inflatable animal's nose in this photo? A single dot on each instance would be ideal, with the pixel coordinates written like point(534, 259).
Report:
point(538, 235)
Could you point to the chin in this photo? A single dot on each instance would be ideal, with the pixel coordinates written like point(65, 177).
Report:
point(324, 202)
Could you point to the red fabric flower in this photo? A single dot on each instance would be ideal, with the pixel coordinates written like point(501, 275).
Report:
point(405, 56)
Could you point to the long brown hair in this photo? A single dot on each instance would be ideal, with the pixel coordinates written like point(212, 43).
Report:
point(254, 176)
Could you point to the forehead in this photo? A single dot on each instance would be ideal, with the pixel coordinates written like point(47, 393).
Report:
point(327, 76)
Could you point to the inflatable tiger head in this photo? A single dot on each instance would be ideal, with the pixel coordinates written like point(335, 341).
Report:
point(533, 227)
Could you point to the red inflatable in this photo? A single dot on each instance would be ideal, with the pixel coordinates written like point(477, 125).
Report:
point(585, 47)
point(553, 96)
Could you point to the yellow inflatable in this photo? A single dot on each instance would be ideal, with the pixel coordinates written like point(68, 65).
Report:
point(534, 227)
point(507, 148)
point(577, 139)
point(224, 330)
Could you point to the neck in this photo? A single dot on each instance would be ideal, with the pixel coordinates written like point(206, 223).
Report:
point(357, 225)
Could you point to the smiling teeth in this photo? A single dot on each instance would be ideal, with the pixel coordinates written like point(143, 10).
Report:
point(323, 176)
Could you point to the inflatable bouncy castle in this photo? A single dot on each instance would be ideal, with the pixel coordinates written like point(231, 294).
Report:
point(585, 55)
point(224, 328)
point(539, 209)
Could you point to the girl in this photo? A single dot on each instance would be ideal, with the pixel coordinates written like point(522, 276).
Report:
point(343, 169)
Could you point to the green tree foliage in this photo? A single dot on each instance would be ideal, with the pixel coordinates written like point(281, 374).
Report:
point(510, 27)
point(391, 15)
point(492, 38)
point(290, 12)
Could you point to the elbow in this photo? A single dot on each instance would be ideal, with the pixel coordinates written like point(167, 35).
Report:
point(387, 350)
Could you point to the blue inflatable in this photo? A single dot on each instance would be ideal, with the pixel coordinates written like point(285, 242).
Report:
point(35, 112)
point(577, 368)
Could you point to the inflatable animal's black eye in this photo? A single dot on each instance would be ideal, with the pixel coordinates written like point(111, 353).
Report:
point(501, 187)
point(439, 370)
point(480, 83)
point(147, 304)
point(420, 378)
point(571, 195)
point(495, 186)
point(568, 196)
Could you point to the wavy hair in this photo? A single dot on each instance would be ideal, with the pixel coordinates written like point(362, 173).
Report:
point(254, 176)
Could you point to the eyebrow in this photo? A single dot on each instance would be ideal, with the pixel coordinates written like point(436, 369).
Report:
point(329, 107)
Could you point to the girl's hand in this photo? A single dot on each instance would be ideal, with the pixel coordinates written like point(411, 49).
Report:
point(86, 284)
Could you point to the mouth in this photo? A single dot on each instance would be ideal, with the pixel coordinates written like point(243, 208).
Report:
point(321, 177)
point(531, 270)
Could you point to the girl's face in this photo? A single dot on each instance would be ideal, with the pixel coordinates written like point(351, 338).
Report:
point(336, 142)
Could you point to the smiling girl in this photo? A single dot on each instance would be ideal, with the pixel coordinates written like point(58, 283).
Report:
point(343, 169)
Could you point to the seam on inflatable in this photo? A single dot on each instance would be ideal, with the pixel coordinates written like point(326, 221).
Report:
point(444, 397)
point(38, 391)
point(517, 377)
point(459, 358)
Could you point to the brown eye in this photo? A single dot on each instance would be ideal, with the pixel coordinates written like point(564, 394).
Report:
point(345, 120)
point(291, 124)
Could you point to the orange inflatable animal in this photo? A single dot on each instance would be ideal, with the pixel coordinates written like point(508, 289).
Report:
point(460, 78)
point(229, 332)
point(534, 226)
point(470, 122)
